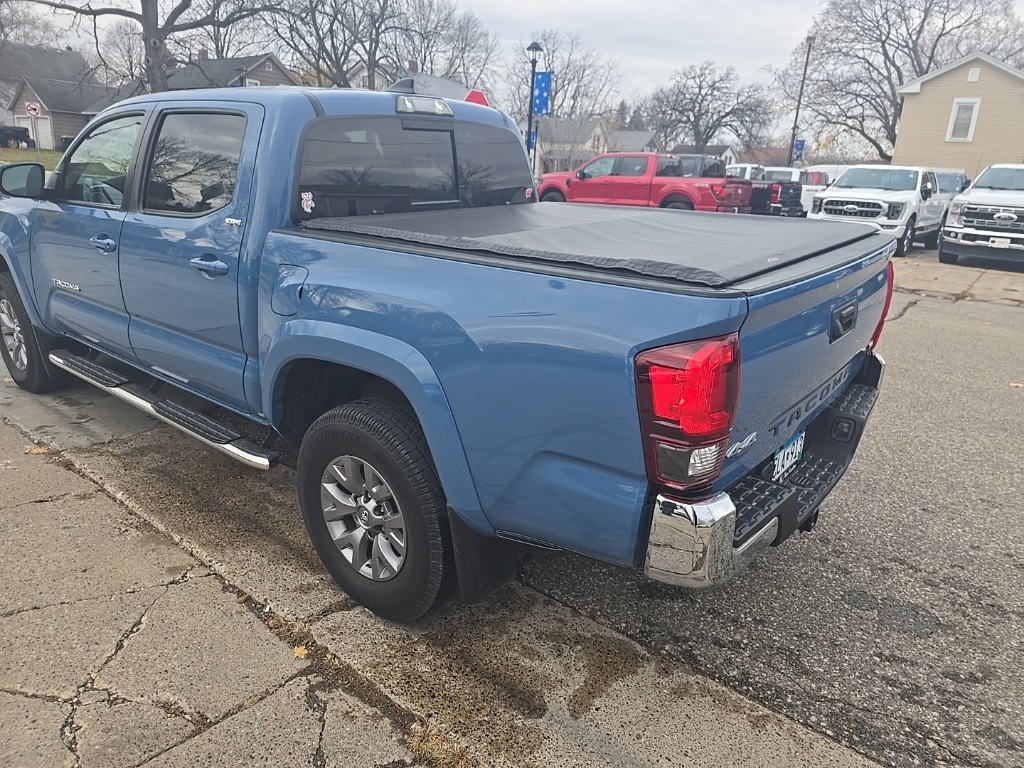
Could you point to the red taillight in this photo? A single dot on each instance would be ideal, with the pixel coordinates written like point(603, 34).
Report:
point(719, 191)
point(776, 192)
point(885, 309)
point(688, 395)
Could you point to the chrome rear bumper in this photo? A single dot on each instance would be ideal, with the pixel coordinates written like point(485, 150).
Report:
point(691, 544)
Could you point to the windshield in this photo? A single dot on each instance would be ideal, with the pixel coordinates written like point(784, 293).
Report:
point(779, 175)
point(1001, 178)
point(882, 177)
point(361, 166)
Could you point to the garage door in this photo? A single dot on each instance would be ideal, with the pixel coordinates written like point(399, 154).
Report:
point(45, 138)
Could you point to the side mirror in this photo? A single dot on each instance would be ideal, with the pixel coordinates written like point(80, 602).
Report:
point(581, 174)
point(926, 191)
point(22, 180)
point(967, 185)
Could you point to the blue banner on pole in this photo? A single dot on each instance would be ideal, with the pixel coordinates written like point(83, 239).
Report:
point(798, 149)
point(542, 94)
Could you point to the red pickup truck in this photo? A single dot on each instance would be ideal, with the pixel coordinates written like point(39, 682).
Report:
point(689, 182)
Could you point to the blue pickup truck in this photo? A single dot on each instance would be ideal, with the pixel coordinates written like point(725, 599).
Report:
point(464, 370)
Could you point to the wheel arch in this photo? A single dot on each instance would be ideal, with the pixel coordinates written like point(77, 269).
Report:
point(357, 363)
point(676, 197)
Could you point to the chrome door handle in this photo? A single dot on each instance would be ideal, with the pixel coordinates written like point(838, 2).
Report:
point(103, 243)
point(209, 268)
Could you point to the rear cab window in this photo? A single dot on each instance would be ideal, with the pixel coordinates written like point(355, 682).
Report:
point(360, 166)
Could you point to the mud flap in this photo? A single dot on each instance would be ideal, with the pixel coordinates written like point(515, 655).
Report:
point(482, 564)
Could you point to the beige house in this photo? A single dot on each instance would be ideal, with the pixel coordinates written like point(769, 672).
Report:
point(967, 116)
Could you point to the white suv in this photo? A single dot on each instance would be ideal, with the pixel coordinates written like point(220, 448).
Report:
point(905, 201)
point(988, 218)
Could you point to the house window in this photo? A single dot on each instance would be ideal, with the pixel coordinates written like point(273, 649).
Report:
point(269, 66)
point(963, 119)
point(973, 74)
point(250, 83)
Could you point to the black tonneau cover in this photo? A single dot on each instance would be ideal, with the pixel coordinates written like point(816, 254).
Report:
point(708, 249)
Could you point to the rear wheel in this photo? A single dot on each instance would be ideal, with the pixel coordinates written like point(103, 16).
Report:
point(19, 347)
point(680, 205)
point(374, 508)
point(931, 241)
point(552, 196)
point(907, 241)
point(12, 144)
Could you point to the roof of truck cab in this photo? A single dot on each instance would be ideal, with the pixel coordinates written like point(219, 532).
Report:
point(333, 102)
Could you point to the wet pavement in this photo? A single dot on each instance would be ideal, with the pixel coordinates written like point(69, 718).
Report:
point(892, 633)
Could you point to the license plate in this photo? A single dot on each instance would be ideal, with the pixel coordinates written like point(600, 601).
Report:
point(787, 456)
point(999, 242)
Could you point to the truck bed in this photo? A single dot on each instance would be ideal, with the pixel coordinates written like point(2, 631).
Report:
point(690, 248)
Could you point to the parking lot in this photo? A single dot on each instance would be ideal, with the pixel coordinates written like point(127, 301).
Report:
point(891, 634)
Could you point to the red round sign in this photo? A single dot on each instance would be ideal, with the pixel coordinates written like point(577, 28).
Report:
point(32, 109)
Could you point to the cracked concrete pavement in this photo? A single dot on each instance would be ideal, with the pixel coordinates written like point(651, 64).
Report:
point(121, 649)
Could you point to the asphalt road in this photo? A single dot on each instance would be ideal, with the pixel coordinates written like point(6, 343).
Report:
point(894, 629)
point(897, 626)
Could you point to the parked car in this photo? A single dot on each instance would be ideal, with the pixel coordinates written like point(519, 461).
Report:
point(685, 182)
point(811, 183)
point(13, 137)
point(901, 200)
point(779, 197)
point(988, 218)
point(463, 369)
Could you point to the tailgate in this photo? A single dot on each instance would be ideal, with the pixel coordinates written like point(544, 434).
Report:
point(799, 346)
point(790, 193)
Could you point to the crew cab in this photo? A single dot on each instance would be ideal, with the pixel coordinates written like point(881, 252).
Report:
point(904, 201)
point(684, 182)
point(811, 183)
point(778, 196)
point(988, 218)
point(368, 276)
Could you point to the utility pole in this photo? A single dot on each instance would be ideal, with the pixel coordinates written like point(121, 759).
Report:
point(799, 101)
point(534, 49)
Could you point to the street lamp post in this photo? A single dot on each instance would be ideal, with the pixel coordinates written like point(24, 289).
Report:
point(534, 49)
point(799, 100)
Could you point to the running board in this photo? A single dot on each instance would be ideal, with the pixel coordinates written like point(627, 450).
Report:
point(203, 428)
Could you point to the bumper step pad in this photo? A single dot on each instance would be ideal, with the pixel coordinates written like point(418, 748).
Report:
point(797, 496)
point(203, 428)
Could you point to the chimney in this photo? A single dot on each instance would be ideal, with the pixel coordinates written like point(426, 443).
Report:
point(203, 54)
point(413, 66)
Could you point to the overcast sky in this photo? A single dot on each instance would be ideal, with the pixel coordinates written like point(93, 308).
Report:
point(652, 38)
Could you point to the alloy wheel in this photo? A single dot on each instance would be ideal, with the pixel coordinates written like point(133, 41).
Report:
point(13, 336)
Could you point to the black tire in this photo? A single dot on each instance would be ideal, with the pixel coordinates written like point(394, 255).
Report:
point(679, 205)
point(388, 440)
point(905, 243)
point(552, 196)
point(947, 258)
point(12, 144)
point(28, 370)
point(931, 241)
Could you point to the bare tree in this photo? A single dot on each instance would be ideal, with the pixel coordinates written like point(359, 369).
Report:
point(583, 80)
point(704, 103)
point(376, 24)
point(159, 25)
point(18, 24)
point(320, 38)
point(445, 42)
point(122, 55)
point(245, 37)
point(864, 50)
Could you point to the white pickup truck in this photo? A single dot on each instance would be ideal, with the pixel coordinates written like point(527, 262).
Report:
point(988, 218)
point(903, 200)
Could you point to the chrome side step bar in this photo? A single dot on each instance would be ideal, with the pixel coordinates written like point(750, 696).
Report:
point(201, 427)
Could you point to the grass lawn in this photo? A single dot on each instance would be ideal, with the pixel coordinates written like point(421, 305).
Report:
point(47, 157)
